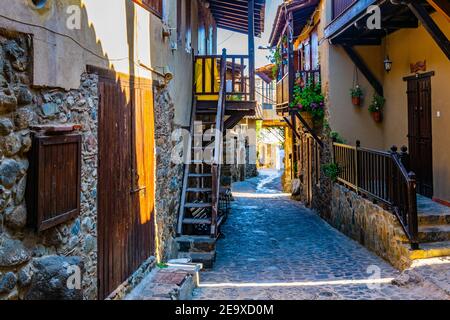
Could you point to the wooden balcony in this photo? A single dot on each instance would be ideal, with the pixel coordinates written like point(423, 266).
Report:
point(240, 95)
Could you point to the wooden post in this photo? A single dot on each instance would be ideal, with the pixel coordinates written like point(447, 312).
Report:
point(251, 47)
point(432, 28)
point(413, 224)
point(357, 168)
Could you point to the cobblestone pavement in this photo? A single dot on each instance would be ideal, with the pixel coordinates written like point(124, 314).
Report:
point(275, 248)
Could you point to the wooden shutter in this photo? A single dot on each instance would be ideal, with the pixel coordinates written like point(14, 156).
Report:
point(155, 6)
point(54, 180)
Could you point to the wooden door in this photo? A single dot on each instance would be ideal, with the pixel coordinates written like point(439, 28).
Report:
point(125, 179)
point(420, 133)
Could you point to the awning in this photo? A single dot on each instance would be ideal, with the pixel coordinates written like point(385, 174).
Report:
point(302, 11)
point(233, 15)
point(350, 27)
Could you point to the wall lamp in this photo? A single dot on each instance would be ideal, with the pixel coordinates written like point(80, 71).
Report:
point(166, 74)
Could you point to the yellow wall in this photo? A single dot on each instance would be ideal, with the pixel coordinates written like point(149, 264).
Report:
point(410, 46)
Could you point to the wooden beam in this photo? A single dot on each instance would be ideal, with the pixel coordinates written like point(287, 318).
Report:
point(433, 29)
point(362, 66)
point(251, 47)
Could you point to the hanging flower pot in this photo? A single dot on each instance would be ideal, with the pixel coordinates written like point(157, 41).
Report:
point(356, 101)
point(376, 107)
point(377, 116)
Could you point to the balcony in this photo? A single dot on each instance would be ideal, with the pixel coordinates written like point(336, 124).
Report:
point(239, 85)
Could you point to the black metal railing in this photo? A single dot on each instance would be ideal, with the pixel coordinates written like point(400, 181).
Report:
point(381, 176)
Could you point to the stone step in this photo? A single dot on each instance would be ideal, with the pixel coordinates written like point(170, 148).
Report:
point(207, 259)
point(431, 250)
point(434, 233)
point(434, 218)
point(431, 212)
point(198, 205)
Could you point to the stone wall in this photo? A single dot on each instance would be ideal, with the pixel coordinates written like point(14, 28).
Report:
point(168, 177)
point(370, 225)
point(28, 260)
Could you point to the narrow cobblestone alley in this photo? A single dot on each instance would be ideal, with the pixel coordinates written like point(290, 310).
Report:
point(275, 248)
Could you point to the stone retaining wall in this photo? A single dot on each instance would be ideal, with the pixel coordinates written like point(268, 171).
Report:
point(369, 224)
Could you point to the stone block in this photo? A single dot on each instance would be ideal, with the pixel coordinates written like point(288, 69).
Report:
point(7, 282)
point(49, 109)
point(12, 252)
point(16, 218)
point(50, 280)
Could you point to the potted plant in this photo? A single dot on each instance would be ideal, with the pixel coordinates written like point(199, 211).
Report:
point(310, 102)
point(356, 94)
point(285, 41)
point(276, 59)
point(376, 107)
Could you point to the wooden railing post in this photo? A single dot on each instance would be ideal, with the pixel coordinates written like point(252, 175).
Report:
point(218, 148)
point(404, 157)
point(413, 224)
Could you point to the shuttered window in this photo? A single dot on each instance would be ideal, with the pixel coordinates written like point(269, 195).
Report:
point(54, 180)
point(155, 6)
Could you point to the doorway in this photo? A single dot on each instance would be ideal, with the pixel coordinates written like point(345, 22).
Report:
point(420, 131)
point(125, 178)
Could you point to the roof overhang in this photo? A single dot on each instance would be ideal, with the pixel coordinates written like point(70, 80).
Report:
point(350, 28)
point(301, 10)
point(233, 15)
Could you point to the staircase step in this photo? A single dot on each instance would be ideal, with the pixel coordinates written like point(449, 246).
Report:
point(196, 243)
point(196, 221)
point(427, 219)
point(431, 250)
point(200, 175)
point(434, 233)
point(199, 190)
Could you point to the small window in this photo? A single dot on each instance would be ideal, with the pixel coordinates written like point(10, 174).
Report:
point(54, 180)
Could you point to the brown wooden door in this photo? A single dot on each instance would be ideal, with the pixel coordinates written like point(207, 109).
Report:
point(420, 133)
point(126, 179)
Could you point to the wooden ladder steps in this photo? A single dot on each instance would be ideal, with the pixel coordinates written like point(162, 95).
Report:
point(200, 175)
point(198, 205)
point(196, 221)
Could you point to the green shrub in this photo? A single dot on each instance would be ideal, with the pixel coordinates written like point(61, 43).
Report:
point(331, 171)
